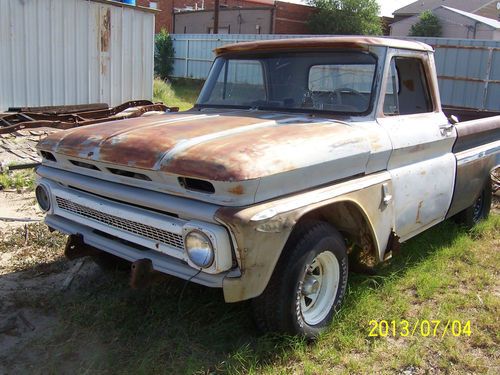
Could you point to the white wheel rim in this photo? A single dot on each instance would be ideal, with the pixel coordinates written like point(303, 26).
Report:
point(319, 287)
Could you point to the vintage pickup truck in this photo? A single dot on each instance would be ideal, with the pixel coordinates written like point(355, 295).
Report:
point(302, 158)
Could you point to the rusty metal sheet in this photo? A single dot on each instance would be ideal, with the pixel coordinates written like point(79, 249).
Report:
point(277, 148)
point(62, 119)
point(231, 146)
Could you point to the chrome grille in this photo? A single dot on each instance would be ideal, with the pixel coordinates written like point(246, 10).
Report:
point(147, 231)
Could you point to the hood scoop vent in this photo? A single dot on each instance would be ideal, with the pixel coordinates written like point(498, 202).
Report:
point(121, 172)
point(194, 184)
point(82, 164)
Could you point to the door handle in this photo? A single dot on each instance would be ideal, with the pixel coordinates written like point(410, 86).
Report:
point(446, 128)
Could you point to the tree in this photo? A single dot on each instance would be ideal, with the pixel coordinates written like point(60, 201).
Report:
point(164, 55)
point(345, 17)
point(428, 25)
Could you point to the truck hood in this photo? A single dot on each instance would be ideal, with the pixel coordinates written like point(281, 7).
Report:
point(224, 146)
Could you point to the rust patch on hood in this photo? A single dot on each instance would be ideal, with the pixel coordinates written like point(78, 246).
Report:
point(237, 190)
point(263, 152)
point(228, 146)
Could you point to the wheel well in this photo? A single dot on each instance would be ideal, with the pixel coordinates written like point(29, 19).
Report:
point(350, 220)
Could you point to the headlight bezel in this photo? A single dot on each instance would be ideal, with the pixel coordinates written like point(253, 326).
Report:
point(201, 257)
point(42, 194)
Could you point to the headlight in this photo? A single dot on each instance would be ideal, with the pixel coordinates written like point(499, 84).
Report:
point(43, 197)
point(199, 249)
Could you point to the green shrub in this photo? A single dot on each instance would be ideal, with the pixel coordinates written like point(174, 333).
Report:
point(164, 55)
point(428, 25)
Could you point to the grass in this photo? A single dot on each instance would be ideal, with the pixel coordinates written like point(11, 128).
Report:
point(19, 180)
point(444, 273)
point(180, 93)
point(35, 249)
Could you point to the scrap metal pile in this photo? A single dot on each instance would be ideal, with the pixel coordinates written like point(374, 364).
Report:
point(67, 117)
point(22, 128)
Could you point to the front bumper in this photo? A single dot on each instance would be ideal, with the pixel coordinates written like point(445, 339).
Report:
point(161, 262)
point(133, 230)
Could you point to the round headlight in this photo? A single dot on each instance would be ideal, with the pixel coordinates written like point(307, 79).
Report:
point(42, 196)
point(199, 249)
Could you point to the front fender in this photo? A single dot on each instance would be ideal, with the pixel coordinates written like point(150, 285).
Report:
point(260, 232)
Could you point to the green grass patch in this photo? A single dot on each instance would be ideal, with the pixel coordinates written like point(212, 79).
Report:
point(180, 93)
point(19, 180)
point(446, 273)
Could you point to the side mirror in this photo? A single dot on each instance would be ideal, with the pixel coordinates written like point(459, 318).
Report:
point(453, 119)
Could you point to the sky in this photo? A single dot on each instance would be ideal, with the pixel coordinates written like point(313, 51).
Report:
point(386, 6)
point(389, 6)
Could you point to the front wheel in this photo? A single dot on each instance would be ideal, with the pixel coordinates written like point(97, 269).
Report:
point(307, 286)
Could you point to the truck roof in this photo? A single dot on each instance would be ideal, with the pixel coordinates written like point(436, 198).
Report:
point(361, 42)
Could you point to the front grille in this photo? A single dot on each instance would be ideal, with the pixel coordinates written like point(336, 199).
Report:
point(146, 231)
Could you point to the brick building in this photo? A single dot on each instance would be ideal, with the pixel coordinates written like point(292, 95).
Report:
point(284, 18)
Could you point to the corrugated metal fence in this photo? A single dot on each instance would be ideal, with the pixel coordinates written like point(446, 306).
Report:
point(56, 52)
point(468, 70)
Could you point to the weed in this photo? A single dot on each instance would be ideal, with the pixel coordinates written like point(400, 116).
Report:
point(19, 180)
point(180, 93)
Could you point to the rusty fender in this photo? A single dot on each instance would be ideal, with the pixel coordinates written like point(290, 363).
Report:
point(260, 232)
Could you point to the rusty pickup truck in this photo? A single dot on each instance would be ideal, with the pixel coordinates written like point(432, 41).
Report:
point(302, 159)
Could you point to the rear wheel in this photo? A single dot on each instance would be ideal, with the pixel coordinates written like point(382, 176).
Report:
point(479, 210)
point(307, 286)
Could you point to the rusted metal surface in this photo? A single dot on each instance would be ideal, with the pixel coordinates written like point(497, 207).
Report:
point(141, 273)
point(62, 119)
point(300, 44)
point(235, 148)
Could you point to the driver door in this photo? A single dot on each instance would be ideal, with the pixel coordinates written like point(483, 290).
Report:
point(422, 165)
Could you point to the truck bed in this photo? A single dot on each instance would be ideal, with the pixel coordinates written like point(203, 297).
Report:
point(475, 127)
point(477, 152)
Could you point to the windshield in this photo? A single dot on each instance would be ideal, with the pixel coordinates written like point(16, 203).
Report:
point(330, 82)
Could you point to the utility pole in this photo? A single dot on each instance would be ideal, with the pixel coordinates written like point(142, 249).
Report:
point(216, 17)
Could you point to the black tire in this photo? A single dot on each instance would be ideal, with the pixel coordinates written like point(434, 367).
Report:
point(110, 262)
point(479, 210)
point(280, 308)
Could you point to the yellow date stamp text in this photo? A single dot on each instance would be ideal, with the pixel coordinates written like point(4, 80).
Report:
point(424, 328)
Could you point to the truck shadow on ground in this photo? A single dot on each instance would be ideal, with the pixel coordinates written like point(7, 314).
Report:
point(175, 327)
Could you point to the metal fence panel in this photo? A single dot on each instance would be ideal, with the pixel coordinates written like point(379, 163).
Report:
point(57, 52)
point(468, 70)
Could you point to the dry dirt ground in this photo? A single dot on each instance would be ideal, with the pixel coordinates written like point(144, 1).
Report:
point(31, 266)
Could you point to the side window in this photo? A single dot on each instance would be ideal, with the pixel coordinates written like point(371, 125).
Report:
point(407, 91)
